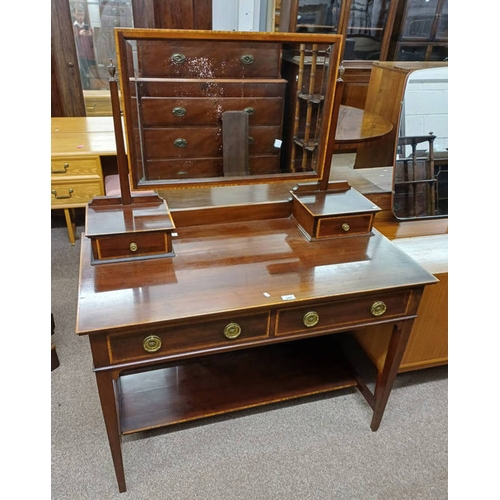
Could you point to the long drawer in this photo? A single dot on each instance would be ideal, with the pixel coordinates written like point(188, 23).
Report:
point(188, 337)
point(342, 314)
point(68, 167)
point(179, 111)
point(192, 168)
point(195, 142)
point(182, 59)
point(75, 191)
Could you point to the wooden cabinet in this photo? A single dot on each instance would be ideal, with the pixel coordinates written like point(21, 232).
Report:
point(421, 32)
point(367, 24)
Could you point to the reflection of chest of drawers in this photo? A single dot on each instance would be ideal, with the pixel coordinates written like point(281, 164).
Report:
point(182, 102)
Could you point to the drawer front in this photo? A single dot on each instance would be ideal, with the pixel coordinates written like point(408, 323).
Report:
point(184, 59)
point(174, 111)
point(196, 142)
point(344, 226)
point(131, 245)
point(61, 168)
point(197, 168)
point(75, 192)
point(184, 338)
point(342, 314)
point(210, 88)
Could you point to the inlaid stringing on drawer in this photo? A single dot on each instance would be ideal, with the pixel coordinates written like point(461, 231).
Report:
point(342, 313)
point(189, 337)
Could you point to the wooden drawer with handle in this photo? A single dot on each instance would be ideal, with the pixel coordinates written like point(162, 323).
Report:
point(187, 337)
point(68, 167)
point(75, 192)
point(342, 314)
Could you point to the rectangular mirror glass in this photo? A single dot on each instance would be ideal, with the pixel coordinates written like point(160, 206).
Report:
point(214, 107)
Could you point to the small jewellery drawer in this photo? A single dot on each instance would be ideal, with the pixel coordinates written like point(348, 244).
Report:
point(131, 245)
point(75, 192)
point(71, 167)
point(342, 314)
point(182, 59)
point(188, 337)
point(344, 225)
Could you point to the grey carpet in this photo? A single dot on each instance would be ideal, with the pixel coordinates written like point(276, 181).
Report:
point(320, 448)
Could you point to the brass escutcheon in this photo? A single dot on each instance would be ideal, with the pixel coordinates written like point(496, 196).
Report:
point(152, 343)
point(247, 59)
point(310, 319)
point(180, 143)
point(179, 111)
point(232, 330)
point(346, 227)
point(378, 308)
point(133, 247)
point(177, 58)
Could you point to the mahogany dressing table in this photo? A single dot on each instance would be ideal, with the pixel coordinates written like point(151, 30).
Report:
point(246, 307)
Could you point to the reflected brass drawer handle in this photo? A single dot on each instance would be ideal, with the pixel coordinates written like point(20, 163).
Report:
point(247, 59)
point(177, 58)
point(133, 247)
point(346, 227)
point(310, 319)
point(232, 330)
point(65, 167)
point(378, 308)
point(179, 111)
point(62, 196)
point(152, 343)
point(180, 143)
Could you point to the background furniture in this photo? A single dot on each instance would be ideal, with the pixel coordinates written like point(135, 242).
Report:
point(79, 148)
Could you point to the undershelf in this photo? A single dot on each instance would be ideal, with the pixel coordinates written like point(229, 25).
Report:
point(232, 381)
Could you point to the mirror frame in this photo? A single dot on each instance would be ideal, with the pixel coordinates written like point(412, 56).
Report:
point(124, 36)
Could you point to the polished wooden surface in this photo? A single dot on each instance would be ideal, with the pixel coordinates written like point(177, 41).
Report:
point(236, 274)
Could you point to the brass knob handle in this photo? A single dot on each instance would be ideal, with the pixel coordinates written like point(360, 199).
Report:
point(232, 330)
point(152, 343)
point(177, 58)
point(247, 59)
point(346, 227)
point(133, 247)
point(65, 167)
point(179, 111)
point(62, 196)
point(378, 308)
point(180, 143)
point(310, 319)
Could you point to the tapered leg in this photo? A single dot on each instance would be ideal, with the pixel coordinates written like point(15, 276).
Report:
point(70, 226)
point(107, 394)
point(385, 379)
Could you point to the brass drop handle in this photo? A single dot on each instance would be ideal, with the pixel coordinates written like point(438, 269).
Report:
point(180, 143)
point(179, 111)
point(346, 227)
point(152, 343)
point(65, 167)
point(133, 246)
point(232, 330)
point(378, 308)
point(310, 319)
point(247, 59)
point(249, 110)
point(62, 196)
point(177, 58)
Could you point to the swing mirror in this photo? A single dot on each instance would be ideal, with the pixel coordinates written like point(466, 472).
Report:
point(212, 107)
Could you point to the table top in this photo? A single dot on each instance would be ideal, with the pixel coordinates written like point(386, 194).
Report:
point(238, 267)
